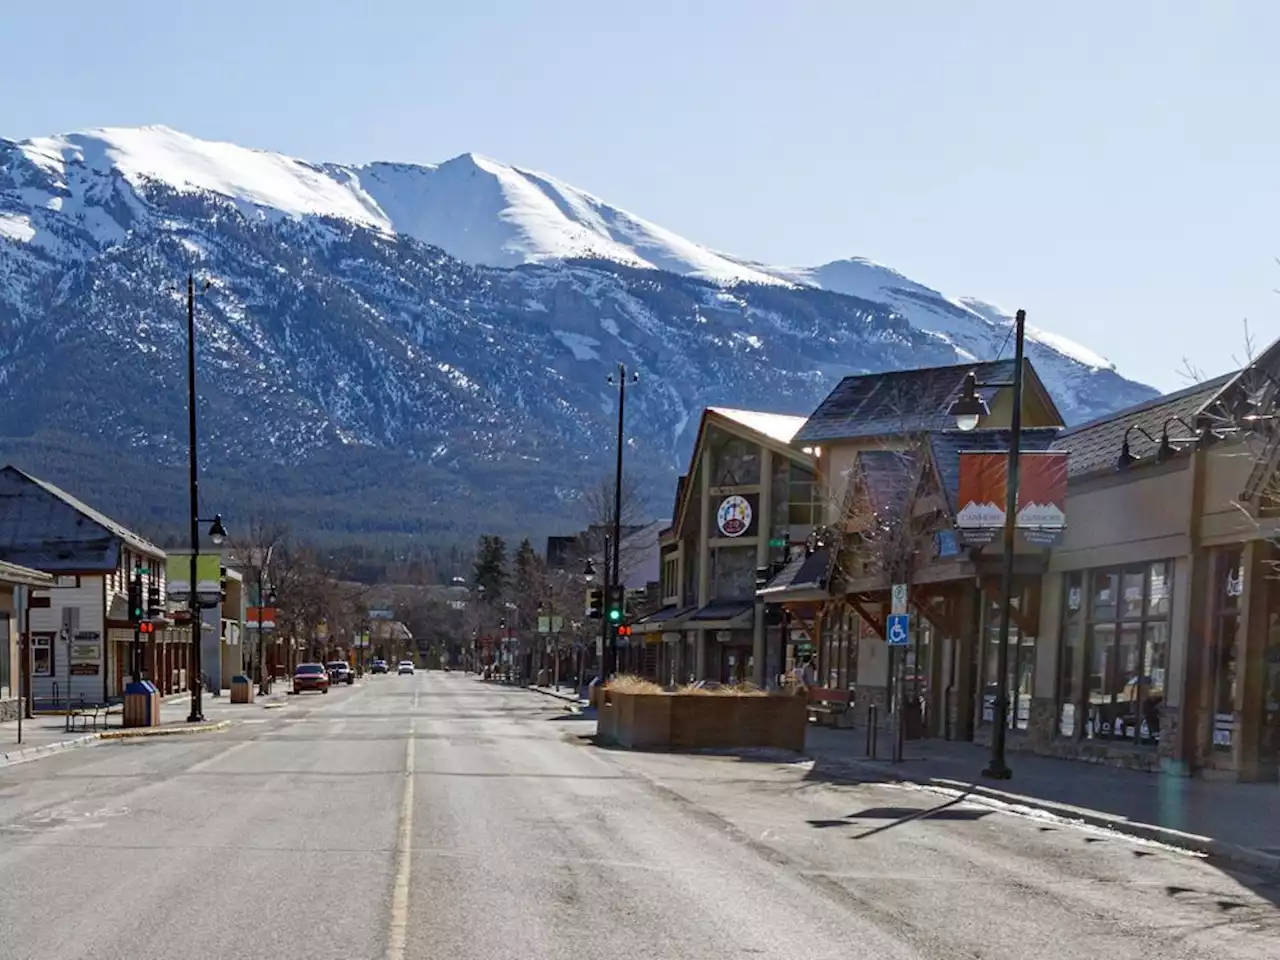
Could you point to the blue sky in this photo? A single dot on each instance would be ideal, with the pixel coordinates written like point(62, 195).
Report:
point(1110, 167)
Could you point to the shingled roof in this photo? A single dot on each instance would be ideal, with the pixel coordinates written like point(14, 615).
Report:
point(898, 401)
point(1094, 446)
point(46, 528)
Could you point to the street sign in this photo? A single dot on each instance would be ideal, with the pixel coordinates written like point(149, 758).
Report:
point(899, 598)
point(778, 542)
point(897, 632)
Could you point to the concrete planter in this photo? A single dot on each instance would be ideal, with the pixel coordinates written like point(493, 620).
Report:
point(701, 722)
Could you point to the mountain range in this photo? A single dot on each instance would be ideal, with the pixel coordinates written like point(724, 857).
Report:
point(395, 349)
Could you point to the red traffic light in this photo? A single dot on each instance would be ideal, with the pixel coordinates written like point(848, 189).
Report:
point(146, 627)
point(624, 630)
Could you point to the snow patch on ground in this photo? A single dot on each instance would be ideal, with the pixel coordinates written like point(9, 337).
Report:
point(15, 226)
point(583, 347)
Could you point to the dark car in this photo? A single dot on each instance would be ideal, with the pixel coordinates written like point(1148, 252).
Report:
point(379, 666)
point(311, 676)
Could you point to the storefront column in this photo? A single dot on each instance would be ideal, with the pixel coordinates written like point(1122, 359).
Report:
point(872, 672)
point(962, 692)
point(1043, 723)
point(764, 527)
point(1252, 664)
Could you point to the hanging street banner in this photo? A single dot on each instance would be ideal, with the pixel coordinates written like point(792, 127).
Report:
point(1042, 491)
point(264, 615)
point(208, 578)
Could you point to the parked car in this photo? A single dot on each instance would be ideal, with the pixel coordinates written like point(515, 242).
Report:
point(379, 666)
point(340, 672)
point(311, 676)
point(406, 666)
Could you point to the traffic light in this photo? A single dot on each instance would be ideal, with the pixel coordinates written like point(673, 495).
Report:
point(624, 629)
point(595, 603)
point(153, 600)
point(617, 603)
point(222, 584)
point(135, 600)
point(146, 628)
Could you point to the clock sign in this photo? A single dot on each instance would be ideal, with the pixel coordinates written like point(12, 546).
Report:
point(734, 516)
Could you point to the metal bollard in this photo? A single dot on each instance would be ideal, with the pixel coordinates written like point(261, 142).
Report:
point(873, 722)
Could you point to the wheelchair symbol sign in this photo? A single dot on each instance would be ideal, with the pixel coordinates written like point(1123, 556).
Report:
point(896, 631)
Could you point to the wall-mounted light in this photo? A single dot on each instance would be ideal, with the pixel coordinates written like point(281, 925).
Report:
point(1126, 458)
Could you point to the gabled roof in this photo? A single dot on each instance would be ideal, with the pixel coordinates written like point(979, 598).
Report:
point(1094, 446)
point(907, 401)
point(33, 534)
point(947, 445)
point(781, 427)
point(767, 429)
point(887, 478)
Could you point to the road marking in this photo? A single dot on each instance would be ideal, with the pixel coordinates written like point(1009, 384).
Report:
point(404, 859)
point(255, 720)
point(416, 693)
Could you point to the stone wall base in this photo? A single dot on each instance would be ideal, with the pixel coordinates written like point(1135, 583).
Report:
point(9, 709)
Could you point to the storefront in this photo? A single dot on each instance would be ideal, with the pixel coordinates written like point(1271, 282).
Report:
point(733, 517)
point(1161, 617)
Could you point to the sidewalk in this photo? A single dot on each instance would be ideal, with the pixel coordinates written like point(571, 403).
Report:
point(47, 734)
point(1235, 821)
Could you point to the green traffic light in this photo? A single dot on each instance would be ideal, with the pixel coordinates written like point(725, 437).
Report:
point(615, 614)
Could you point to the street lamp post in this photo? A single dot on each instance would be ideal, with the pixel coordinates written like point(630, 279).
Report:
point(217, 533)
point(967, 410)
point(611, 637)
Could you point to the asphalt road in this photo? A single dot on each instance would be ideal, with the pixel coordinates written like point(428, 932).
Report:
point(436, 816)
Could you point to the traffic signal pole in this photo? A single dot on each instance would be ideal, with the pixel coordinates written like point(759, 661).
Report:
point(135, 605)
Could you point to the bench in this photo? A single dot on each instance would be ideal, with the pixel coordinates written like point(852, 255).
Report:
point(829, 706)
point(85, 711)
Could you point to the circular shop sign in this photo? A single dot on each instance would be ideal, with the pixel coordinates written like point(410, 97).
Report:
point(734, 516)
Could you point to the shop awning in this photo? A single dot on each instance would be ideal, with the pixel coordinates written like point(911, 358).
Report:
point(23, 576)
point(668, 618)
point(803, 578)
point(723, 615)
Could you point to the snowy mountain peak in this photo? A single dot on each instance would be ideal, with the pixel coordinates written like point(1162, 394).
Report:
point(477, 209)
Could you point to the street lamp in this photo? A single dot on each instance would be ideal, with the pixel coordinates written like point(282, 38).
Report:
point(968, 409)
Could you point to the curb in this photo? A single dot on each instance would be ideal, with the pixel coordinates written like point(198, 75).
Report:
point(1010, 802)
point(139, 732)
point(26, 754)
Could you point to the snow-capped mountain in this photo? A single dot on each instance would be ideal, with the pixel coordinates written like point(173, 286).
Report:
point(439, 333)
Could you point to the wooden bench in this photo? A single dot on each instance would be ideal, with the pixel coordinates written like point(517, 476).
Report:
point(829, 706)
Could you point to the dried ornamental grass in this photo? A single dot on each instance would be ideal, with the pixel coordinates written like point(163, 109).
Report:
point(626, 683)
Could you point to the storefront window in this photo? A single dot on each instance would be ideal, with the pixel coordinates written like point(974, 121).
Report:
point(1069, 688)
point(1229, 594)
point(42, 655)
point(1020, 676)
point(804, 504)
point(1127, 640)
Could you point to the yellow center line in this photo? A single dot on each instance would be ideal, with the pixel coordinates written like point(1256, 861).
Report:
point(404, 858)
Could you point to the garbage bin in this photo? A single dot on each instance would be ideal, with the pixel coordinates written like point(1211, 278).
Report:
point(141, 705)
point(241, 689)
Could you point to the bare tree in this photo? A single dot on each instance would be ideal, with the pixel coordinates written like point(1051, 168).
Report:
point(598, 512)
